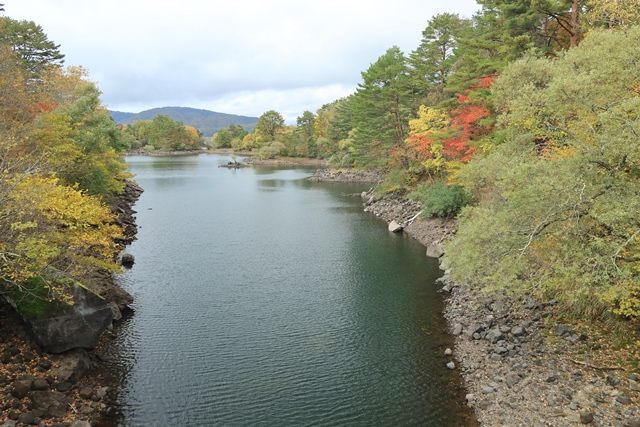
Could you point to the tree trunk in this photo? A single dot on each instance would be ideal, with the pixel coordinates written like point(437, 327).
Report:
point(575, 23)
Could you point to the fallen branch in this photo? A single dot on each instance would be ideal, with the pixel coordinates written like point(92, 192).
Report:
point(601, 368)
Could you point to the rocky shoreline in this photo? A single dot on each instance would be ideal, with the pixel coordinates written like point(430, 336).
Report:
point(346, 175)
point(519, 365)
point(70, 388)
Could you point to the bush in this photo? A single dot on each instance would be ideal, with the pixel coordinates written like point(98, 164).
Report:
point(440, 200)
point(272, 150)
point(396, 181)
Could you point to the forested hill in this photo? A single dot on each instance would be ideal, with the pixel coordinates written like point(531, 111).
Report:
point(207, 122)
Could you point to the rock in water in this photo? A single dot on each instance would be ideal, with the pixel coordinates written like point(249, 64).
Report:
point(127, 260)
point(395, 227)
point(435, 250)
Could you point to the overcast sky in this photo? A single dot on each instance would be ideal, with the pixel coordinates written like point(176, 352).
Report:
point(234, 56)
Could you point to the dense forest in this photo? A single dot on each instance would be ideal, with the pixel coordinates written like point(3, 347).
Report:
point(524, 120)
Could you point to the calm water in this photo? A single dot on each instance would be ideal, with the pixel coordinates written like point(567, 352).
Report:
point(265, 299)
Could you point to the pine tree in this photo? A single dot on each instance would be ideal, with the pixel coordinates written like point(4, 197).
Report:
point(31, 45)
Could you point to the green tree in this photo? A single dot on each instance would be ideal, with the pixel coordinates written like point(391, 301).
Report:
point(269, 123)
point(29, 42)
point(432, 62)
point(380, 109)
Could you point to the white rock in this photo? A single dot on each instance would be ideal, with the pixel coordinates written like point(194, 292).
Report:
point(395, 227)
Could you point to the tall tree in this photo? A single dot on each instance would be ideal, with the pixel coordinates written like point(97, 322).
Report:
point(269, 123)
point(381, 108)
point(29, 42)
point(432, 62)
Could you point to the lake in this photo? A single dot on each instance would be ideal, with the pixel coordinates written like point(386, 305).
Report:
point(262, 298)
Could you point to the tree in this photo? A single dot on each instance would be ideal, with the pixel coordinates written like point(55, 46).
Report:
point(432, 62)
point(269, 123)
point(380, 108)
point(31, 45)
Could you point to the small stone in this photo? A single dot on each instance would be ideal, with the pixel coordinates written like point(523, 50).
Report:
point(63, 386)
point(40, 384)
point(561, 330)
point(457, 329)
point(517, 331)
point(552, 379)
point(101, 392)
point(624, 400)
point(484, 404)
point(512, 379)
point(8, 423)
point(80, 423)
point(586, 417)
point(451, 365)
point(27, 418)
point(469, 397)
point(21, 388)
point(573, 406)
point(487, 389)
point(500, 350)
point(612, 381)
point(494, 335)
point(85, 392)
point(448, 352)
point(497, 306)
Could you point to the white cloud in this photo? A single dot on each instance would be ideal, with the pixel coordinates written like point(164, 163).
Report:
point(243, 57)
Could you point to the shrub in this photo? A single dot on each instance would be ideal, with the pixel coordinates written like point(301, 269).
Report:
point(396, 181)
point(440, 200)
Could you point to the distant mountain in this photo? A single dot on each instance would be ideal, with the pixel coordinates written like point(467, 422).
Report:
point(207, 122)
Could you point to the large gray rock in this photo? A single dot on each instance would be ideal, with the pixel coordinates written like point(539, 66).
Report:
point(435, 250)
point(77, 326)
point(394, 227)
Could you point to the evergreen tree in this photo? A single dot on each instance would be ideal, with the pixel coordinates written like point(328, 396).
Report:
point(31, 45)
point(432, 62)
point(381, 108)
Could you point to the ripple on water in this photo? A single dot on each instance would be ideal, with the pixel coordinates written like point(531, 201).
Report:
point(283, 307)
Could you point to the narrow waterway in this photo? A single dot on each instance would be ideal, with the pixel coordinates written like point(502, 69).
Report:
point(264, 299)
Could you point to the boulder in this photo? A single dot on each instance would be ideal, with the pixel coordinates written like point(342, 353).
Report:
point(76, 326)
point(71, 366)
point(127, 260)
point(394, 227)
point(435, 250)
point(51, 403)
